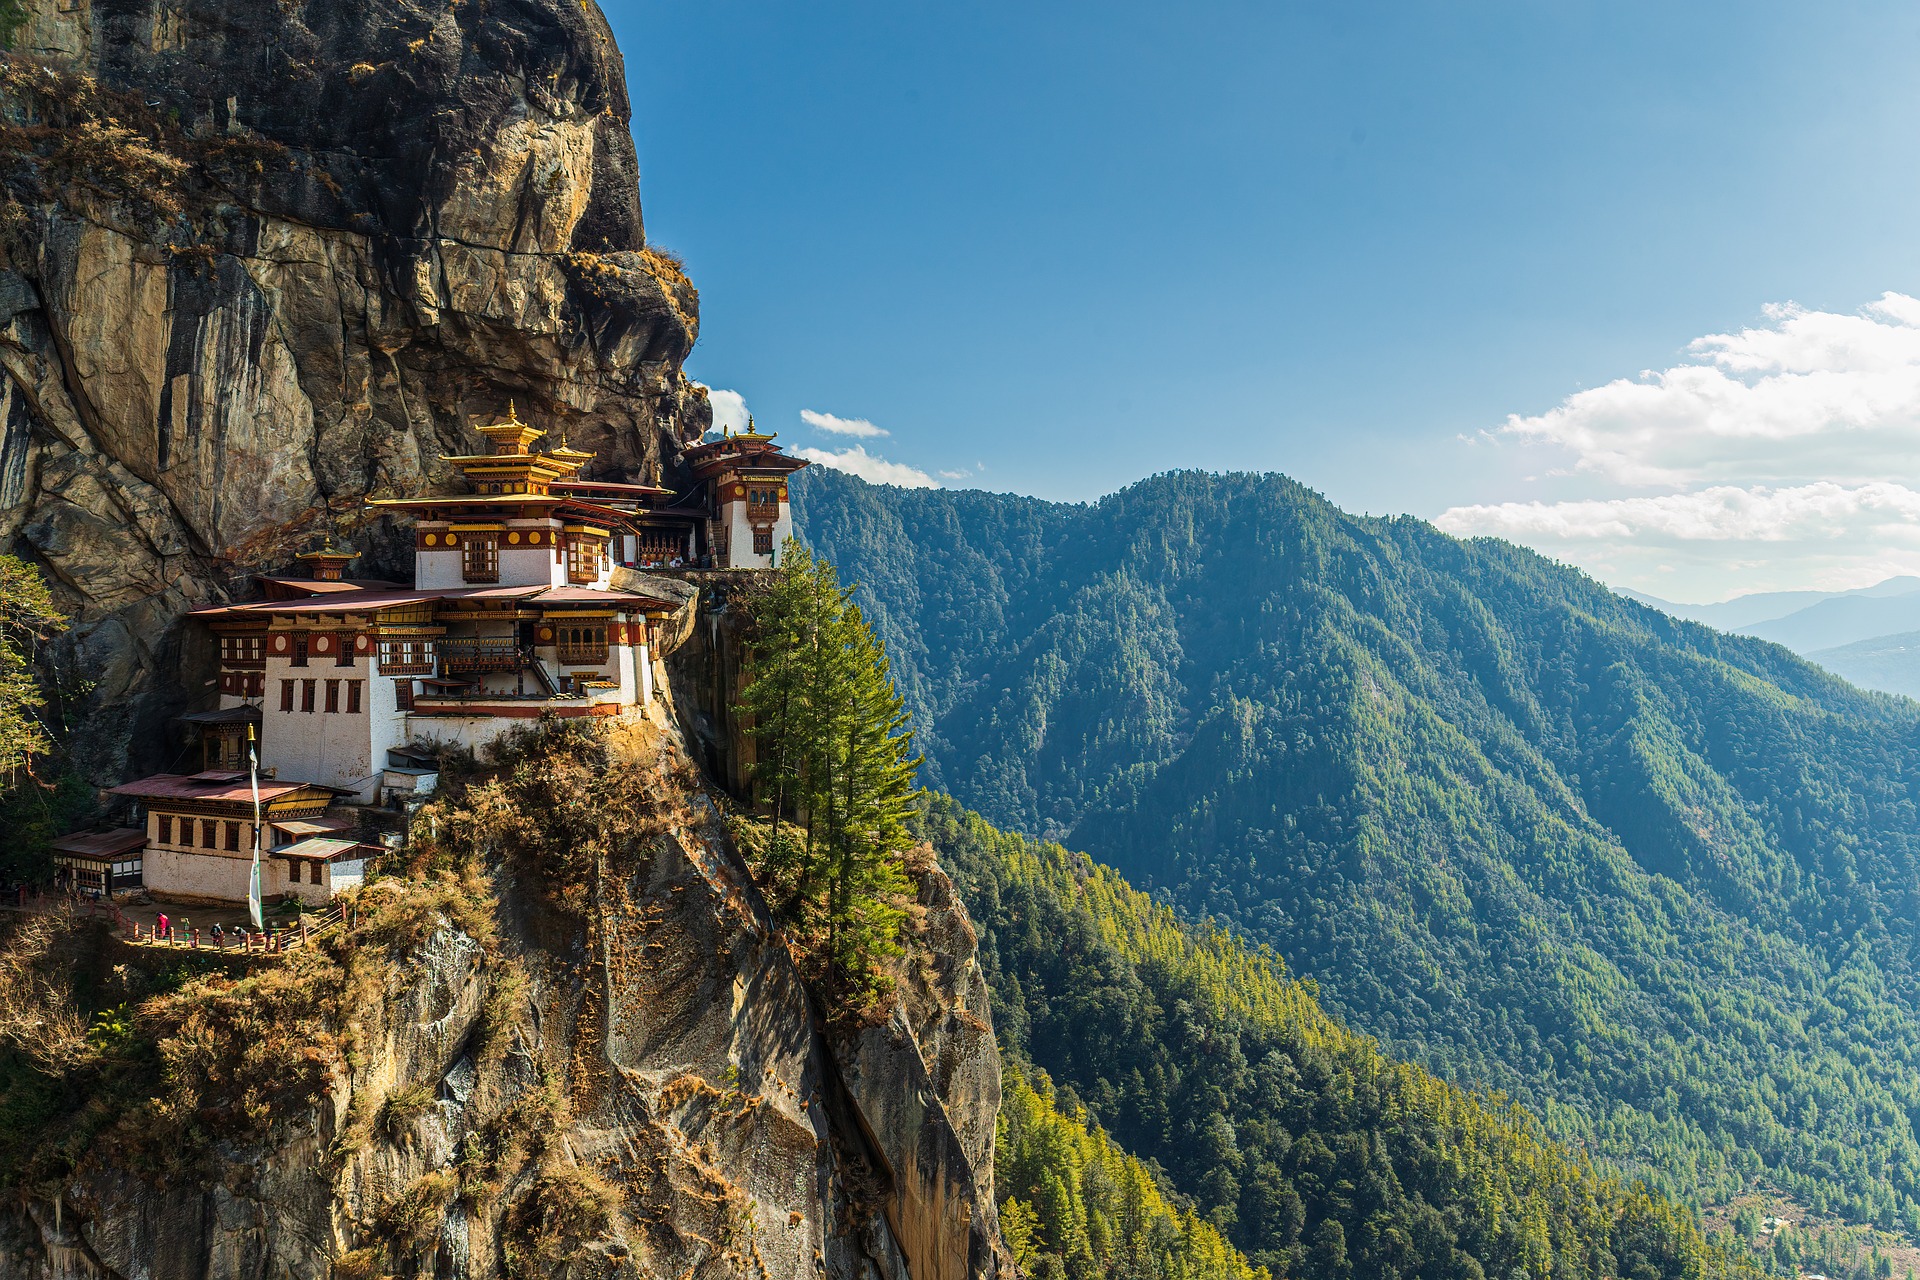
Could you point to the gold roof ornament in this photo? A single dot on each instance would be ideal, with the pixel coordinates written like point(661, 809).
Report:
point(510, 435)
point(328, 562)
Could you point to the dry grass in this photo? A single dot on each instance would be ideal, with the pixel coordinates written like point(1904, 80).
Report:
point(565, 1210)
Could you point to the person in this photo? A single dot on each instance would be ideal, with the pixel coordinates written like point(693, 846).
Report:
point(160, 928)
point(219, 936)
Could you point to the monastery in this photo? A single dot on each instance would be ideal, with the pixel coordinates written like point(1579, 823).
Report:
point(352, 686)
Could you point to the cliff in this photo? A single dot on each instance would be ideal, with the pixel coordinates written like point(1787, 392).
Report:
point(260, 261)
point(564, 1041)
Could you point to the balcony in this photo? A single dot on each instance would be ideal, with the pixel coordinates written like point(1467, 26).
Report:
point(481, 653)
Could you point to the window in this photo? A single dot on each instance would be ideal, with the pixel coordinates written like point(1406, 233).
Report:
point(306, 694)
point(406, 657)
point(163, 829)
point(243, 650)
point(233, 837)
point(584, 556)
point(763, 542)
point(256, 685)
point(313, 871)
point(480, 558)
point(186, 833)
point(582, 642)
point(286, 695)
point(300, 649)
point(333, 696)
point(209, 834)
point(353, 697)
point(403, 695)
point(343, 649)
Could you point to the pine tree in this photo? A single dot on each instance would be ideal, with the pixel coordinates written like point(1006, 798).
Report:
point(835, 757)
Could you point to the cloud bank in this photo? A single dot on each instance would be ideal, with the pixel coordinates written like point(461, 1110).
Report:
point(1786, 454)
point(1815, 395)
point(857, 461)
point(838, 426)
point(729, 408)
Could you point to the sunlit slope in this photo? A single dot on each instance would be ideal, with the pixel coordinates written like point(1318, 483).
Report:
point(1659, 882)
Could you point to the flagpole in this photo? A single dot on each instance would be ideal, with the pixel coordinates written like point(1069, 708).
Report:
point(259, 833)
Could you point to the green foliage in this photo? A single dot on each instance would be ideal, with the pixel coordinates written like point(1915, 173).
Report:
point(27, 619)
point(1659, 884)
point(34, 813)
point(13, 16)
point(1074, 1206)
point(833, 752)
point(1298, 1139)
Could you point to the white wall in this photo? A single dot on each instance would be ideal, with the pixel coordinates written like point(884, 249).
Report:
point(740, 555)
point(336, 749)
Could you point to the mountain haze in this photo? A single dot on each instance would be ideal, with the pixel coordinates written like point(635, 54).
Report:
point(1658, 882)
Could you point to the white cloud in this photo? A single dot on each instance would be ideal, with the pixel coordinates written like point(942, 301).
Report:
point(1812, 395)
point(962, 474)
point(1720, 540)
point(857, 461)
point(838, 426)
point(1883, 512)
point(729, 409)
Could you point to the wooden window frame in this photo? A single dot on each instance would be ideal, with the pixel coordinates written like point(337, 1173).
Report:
point(306, 696)
point(286, 695)
point(403, 694)
point(301, 647)
point(163, 828)
point(581, 644)
point(343, 655)
point(353, 696)
point(233, 837)
point(479, 558)
point(333, 697)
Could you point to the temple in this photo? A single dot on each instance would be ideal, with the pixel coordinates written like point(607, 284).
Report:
point(352, 686)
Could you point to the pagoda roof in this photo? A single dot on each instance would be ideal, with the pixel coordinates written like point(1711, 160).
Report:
point(102, 846)
point(215, 786)
point(570, 505)
point(243, 714)
point(594, 595)
point(319, 849)
point(615, 487)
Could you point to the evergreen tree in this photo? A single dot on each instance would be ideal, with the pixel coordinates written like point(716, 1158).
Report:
point(834, 757)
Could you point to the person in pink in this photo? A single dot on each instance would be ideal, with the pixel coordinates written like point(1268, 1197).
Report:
point(160, 926)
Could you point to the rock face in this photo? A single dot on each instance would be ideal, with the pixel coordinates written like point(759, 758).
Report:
point(693, 1115)
point(260, 261)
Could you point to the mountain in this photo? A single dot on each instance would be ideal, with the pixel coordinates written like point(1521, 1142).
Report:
point(1806, 621)
point(1307, 1146)
point(1842, 621)
point(1888, 663)
point(1657, 882)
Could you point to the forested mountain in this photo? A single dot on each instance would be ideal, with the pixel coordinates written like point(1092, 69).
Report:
point(1658, 882)
point(1308, 1148)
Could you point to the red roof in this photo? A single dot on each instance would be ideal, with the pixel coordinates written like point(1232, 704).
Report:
point(174, 786)
point(609, 486)
point(103, 845)
point(610, 597)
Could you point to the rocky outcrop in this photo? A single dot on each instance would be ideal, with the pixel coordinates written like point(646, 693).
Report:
point(643, 1086)
point(261, 261)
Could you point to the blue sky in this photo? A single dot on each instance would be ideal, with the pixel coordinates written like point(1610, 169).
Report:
point(1385, 248)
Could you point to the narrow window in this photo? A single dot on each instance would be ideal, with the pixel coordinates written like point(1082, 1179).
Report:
point(163, 829)
point(209, 834)
point(315, 872)
point(333, 696)
point(233, 837)
point(306, 694)
point(256, 684)
point(343, 654)
point(299, 649)
point(403, 695)
point(286, 695)
point(763, 542)
point(353, 697)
